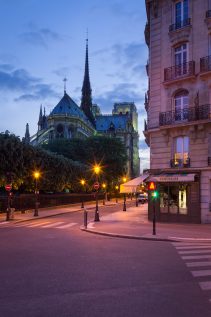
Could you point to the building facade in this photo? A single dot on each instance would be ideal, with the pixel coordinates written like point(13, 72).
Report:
point(68, 120)
point(178, 127)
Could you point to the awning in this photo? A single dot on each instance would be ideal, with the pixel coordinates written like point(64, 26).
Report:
point(132, 185)
point(172, 178)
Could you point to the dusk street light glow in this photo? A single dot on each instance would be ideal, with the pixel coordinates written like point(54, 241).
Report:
point(36, 175)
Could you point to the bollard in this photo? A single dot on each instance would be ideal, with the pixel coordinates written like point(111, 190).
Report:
point(85, 218)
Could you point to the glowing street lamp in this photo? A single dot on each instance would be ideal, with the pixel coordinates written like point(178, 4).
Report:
point(83, 182)
point(97, 170)
point(104, 188)
point(36, 175)
point(116, 188)
point(124, 204)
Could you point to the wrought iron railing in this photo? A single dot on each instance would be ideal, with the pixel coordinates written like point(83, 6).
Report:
point(184, 115)
point(179, 71)
point(179, 25)
point(208, 14)
point(205, 64)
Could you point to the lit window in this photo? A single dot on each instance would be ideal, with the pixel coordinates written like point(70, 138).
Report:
point(181, 151)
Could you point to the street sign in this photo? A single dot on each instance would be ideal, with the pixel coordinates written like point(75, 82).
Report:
point(96, 185)
point(8, 187)
point(151, 186)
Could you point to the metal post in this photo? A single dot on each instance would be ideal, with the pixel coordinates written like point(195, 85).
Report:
point(85, 218)
point(36, 200)
point(154, 218)
point(97, 218)
point(124, 204)
point(8, 207)
point(82, 203)
point(136, 200)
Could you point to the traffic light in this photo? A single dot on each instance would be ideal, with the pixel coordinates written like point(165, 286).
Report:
point(154, 194)
point(151, 186)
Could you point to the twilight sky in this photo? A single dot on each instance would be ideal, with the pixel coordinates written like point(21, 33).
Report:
point(43, 41)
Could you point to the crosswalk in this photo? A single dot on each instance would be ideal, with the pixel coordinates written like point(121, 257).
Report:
point(43, 224)
point(197, 257)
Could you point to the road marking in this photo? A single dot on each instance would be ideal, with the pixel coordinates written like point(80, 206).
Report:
point(38, 224)
point(194, 251)
point(67, 225)
point(201, 263)
point(194, 247)
point(201, 273)
point(205, 285)
point(52, 224)
point(196, 257)
point(90, 225)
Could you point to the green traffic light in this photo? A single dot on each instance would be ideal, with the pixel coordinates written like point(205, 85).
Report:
point(155, 194)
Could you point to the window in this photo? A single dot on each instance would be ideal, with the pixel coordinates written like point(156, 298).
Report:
point(180, 60)
point(181, 13)
point(181, 101)
point(181, 151)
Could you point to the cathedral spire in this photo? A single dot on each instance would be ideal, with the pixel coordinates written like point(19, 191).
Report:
point(26, 139)
point(40, 119)
point(86, 100)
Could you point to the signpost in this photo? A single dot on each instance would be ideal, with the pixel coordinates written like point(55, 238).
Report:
point(8, 188)
point(154, 195)
point(96, 185)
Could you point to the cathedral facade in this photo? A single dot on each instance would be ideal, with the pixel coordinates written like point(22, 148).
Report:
point(68, 120)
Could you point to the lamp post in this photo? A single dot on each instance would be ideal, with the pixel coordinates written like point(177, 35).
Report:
point(124, 203)
point(97, 170)
point(104, 196)
point(36, 176)
point(116, 187)
point(83, 182)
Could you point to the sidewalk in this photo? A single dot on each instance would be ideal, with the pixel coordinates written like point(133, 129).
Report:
point(132, 223)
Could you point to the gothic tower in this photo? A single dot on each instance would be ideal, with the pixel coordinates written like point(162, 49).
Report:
point(86, 99)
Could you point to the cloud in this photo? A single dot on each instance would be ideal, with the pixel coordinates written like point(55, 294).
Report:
point(62, 71)
point(6, 67)
point(123, 92)
point(39, 37)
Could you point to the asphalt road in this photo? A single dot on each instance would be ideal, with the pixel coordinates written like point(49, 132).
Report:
point(51, 268)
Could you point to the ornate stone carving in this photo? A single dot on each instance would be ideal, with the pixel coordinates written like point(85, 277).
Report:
point(180, 35)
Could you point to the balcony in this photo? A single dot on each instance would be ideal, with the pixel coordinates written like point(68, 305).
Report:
point(179, 71)
point(185, 115)
point(180, 163)
point(179, 25)
point(205, 64)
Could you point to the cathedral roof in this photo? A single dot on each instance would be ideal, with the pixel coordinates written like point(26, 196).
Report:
point(105, 122)
point(67, 106)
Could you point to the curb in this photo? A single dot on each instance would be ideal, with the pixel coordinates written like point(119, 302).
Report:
point(125, 236)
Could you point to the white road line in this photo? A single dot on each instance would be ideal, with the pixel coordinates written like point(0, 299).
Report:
point(194, 247)
point(198, 264)
point(190, 243)
point(4, 223)
point(52, 224)
point(38, 224)
point(196, 257)
point(195, 251)
point(201, 273)
point(205, 285)
point(67, 225)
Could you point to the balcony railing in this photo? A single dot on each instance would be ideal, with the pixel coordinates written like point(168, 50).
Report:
point(208, 14)
point(179, 25)
point(205, 64)
point(179, 71)
point(185, 115)
point(180, 163)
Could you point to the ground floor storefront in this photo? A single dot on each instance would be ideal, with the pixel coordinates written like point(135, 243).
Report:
point(178, 199)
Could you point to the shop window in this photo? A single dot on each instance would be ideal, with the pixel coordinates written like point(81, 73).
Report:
point(173, 199)
point(181, 101)
point(181, 151)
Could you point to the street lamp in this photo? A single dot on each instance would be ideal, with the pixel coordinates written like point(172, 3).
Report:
point(104, 196)
point(97, 170)
point(116, 187)
point(36, 175)
point(83, 182)
point(124, 203)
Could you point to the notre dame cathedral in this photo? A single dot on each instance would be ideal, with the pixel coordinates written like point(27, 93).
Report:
point(68, 120)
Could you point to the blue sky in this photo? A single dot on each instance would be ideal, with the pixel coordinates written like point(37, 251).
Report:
point(43, 41)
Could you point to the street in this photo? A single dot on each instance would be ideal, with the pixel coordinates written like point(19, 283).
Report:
point(49, 267)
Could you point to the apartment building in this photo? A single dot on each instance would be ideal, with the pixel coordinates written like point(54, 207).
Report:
point(178, 126)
